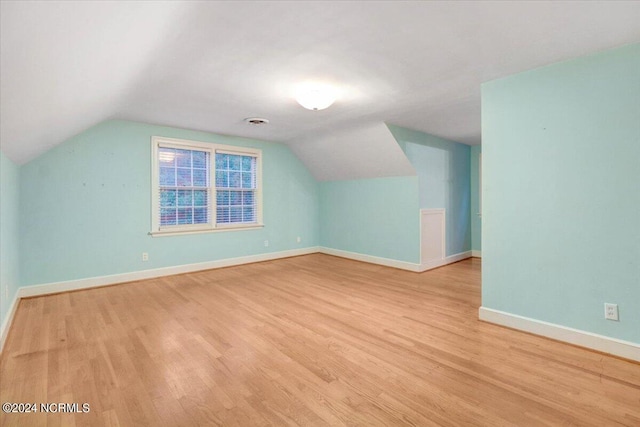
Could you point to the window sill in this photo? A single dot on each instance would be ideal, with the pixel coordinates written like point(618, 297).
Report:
point(164, 233)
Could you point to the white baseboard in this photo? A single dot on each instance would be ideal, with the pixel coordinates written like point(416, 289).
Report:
point(6, 324)
point(476, 254)
point(92, 282)
point(448, 260)
point(626, 349)
point(388, 262)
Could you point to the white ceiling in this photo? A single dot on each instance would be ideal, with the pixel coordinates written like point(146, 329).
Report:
point(66, 66)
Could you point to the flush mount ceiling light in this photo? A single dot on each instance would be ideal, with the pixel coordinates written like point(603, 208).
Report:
point(316, 96)
point(256, 121)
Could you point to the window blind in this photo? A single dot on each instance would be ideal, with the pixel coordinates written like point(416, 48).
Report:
point(236, 186)
point(185, 189)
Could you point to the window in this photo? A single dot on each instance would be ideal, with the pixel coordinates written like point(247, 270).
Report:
point(235, 188)
point(199, 187)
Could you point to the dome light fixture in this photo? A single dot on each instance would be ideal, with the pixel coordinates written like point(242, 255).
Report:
point(316, 96)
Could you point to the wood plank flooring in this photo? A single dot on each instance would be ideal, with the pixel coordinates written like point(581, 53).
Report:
point(314, 340)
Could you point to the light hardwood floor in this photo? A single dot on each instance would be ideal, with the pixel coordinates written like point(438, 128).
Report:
point(313, 340)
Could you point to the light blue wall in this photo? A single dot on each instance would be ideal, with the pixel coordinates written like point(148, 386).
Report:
point(561, 201)
point(86, 207)
point(9, 243)
point(378, 217)
point(443, 169)
point(476, 220)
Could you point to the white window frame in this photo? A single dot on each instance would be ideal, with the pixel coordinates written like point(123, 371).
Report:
point(212, 148)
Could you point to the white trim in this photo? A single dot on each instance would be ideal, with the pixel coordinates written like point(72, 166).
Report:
point(200, 231)
point(621, 348)
point(480, 184)
point(388, 262)
point(477, 254)
point(6, 324)
point(443, 238)
point(447, 260)
point(92, 282)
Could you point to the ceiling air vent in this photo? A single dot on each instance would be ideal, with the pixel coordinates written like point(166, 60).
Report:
point(256, 121)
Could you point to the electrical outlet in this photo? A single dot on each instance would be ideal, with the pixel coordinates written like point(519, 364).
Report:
point(266, 243)
point(611, 311)
point(145, 256)
point(299, 239)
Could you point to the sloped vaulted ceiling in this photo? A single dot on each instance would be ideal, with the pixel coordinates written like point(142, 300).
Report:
point(364, 151)
point(66, 66)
